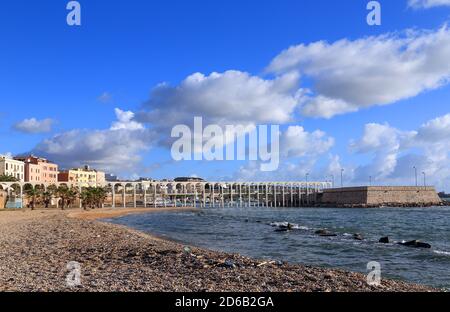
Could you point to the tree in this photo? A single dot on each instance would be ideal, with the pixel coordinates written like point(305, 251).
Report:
point(7, 178)
point(93, 197)
point(33, 193)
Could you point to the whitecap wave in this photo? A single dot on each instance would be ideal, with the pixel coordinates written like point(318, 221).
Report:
point(293, 225)
point(440, 252)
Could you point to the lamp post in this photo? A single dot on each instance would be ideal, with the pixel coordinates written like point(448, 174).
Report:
point(424, 179)
point(342, 177)
point(415, 172)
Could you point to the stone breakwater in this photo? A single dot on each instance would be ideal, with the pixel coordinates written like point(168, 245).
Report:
point(36, 246)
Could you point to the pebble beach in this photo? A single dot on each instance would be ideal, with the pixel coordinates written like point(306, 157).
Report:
point(36, 247)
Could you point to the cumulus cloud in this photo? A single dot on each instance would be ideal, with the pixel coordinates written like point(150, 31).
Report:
point(426, 4)
point(395, 152)
point(350, 75)
point(125, 121)
point(34, 125)
point(296, 142)
point(223, 98)
point(117, 149)
point(299, 151)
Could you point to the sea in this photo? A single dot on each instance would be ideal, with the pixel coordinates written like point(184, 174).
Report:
point(254, 232)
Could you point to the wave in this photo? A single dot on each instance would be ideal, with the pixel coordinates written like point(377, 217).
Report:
point(440, 252)
point(293, 225)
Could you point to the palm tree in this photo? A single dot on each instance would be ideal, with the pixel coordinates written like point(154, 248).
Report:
point(7, 178)
point(34, 193)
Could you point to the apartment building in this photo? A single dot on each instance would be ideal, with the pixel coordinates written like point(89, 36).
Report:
point(12, 167)
point(39, 169)
point(83, 176)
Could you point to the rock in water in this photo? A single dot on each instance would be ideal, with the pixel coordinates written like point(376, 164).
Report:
point(415, 244)
point(384, 240)
point(358, 236)
point(325, 233)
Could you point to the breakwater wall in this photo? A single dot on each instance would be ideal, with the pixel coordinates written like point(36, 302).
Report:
point(373, 196)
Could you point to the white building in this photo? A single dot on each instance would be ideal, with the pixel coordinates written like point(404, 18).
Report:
point(13, 168)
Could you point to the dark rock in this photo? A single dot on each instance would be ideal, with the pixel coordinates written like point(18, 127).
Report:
point(415, 244)
point(384, 240)
point(358, 236)
point(325, 233)
point(229, 264)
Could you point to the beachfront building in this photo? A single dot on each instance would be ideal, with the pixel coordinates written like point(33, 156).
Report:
point(39, 169)
point(13, 168)
point(82, 176)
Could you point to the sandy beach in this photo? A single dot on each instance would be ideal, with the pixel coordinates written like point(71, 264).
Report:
point(36, 246)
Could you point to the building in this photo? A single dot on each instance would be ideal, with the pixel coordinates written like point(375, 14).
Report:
point(100, 177)
point(189, 179)
point(83, 176)
point(13, 168)
point(111, 178)
point(39, 169)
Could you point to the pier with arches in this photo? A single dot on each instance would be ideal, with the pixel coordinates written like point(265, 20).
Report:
point(177, 194)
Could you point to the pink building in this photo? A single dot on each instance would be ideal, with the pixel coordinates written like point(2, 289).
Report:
point(39, 169)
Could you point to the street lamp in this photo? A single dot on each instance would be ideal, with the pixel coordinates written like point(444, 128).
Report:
point(415, 172)
point(424, 179)
point(342, 177)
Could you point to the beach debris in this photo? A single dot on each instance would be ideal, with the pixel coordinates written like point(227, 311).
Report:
point(358, 236)
point(384, 240)
point(325, 233)
point(415, 244)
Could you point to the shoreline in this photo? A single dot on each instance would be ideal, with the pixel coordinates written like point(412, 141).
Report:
point(36, 246)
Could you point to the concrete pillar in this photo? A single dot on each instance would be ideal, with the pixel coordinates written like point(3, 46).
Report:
point(124, 198)
point(113, 195)
point(145, 195)
point(257, 195)
point(212, 200)
point(80, 189)
point(204, 195)
point(134, 196)
point(300, 195)
point(154, 196)
point(292, 195)
point(240, 195)
point(267, 195)
point(284, 195)
point(249, 195)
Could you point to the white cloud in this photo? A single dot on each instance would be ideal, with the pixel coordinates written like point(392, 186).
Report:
point(232, 97)
point(396, 152)
point(117, 149)
point(351, 75)
point(125, 121)
point(300, 151)
point(296, 142)
point(426, 4)
point(33, 125)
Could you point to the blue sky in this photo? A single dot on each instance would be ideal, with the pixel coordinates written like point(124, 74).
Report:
point(71, 80)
